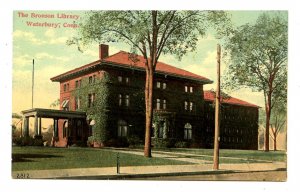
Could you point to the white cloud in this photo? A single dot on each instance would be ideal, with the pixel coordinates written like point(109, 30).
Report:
point(50, 33)
point(29, 36)
point(22, 60)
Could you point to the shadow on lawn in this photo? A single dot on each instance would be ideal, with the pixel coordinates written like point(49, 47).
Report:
point(28, 157)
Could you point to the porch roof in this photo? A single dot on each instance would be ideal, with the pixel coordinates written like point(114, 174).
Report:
point(53, 113)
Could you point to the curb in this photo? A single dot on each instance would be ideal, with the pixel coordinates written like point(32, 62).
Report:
point(143, 175)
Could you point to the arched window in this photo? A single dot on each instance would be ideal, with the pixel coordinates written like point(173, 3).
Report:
point(122, 128)
point(187, 131)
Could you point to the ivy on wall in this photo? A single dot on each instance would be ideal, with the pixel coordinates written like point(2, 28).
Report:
point(97, 108)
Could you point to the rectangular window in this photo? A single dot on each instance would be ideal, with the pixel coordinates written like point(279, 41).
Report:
point(191, 106)
point(79, 83)
point(90, 79)
point(164, 85)
point(164, 104)
point(191, 89)
point(76, 84)
point(186, 105)
point(120, 99)
point(157, 104)
point(120, 79)
point(65, 87)
point(127, 80)
point(158, 84)
point(127, 100)
point(186, 89)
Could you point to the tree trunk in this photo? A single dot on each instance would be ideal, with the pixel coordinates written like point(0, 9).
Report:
point(275, 143)
point(268, 115)
point(149, 111)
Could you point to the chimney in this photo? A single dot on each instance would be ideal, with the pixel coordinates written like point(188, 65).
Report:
point(103, 51)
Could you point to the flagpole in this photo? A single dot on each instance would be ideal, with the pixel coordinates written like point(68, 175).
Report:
point(32, 83)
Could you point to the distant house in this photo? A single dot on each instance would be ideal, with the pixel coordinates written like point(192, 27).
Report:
point(111, 92)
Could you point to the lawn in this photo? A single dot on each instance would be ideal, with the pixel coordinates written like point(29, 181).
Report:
point(35, 158)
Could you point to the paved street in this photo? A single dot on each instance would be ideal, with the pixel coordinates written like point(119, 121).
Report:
point(241, 176)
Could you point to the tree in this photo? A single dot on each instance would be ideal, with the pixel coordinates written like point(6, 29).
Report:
point(151, 33)
point(258, 55)
point(278, 120)
point(55, 103)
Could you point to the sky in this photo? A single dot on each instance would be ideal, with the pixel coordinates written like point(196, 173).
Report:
point(47, 46)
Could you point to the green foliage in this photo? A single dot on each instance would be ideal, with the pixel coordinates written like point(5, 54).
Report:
point(182, 144)
point(134, 140)
point(28, 141)
point(258, 55)
point(55, 103)
point(177, 32)
point(163, 143)
point(119, 142)
point(99, 107)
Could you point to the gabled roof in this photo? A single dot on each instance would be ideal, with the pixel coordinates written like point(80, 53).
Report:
point(121, 59)
point(210, 96)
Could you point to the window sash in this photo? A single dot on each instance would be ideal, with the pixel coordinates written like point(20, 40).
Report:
point(120, 99)
point(157, 104)
point(120, 79)
point(127, 100)
point(158, 84)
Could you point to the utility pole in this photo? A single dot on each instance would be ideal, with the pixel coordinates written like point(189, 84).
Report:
point(32, 83)
point(217, 113)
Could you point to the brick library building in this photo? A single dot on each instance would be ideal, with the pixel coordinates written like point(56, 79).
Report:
point(110, 92)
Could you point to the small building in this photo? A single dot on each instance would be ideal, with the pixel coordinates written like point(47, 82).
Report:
point(111, 92)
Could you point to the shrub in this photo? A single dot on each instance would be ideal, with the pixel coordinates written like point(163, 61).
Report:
point(117, 142)
point(182, 144)
point(134, 140)
point(28, 141)
point(163, 143)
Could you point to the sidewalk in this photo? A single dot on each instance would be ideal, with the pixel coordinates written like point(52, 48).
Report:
point(147, 171)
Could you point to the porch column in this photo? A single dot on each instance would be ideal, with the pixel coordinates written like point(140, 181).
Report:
point(165, 130)
point(36, 125)
point(26, 127)
point(40, 127)
point(55, 127)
